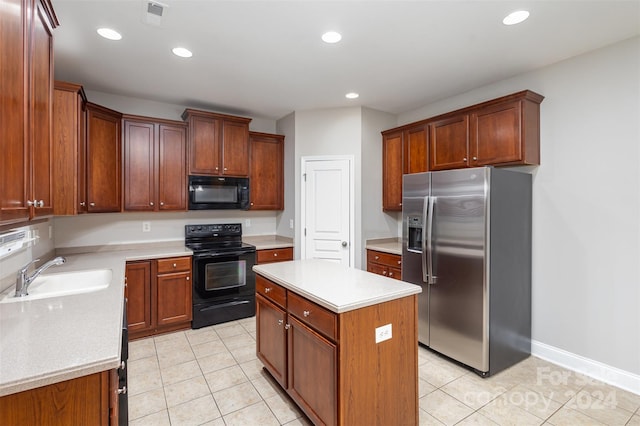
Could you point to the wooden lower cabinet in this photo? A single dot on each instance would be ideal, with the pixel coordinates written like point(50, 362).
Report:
point(159, 296)
point(87, 400)
point(274, 255)
point(387, 264)
point(331, 365)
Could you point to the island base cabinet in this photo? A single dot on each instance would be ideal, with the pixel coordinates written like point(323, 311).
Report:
point(87, 400)
point(312, 373)
point(336, 371)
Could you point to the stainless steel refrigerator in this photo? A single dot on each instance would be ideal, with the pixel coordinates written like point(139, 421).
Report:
point(466, 240)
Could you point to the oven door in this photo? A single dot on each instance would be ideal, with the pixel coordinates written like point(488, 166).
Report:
point(223, 275)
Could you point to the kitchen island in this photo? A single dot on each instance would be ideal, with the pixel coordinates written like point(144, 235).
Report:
point(342, 342)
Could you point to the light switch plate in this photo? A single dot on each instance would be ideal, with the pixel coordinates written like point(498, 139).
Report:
point(383, 333)
point(247, 223)
point(146, 226)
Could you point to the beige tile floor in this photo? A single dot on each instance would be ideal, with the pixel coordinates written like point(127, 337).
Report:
point(211, 376)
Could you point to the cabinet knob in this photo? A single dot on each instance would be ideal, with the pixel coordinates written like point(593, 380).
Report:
point(267, 290)
point(384, 272)
point(287, 326)
point(400, 204)
point(390, 274)
point(174, 265)
point(280, 322)
point(399, 262)
point(216, 167)
point(188, 278)
point(92, 204)
point(162, 203)
point(151, 204)
point(122, 390)
point(306, 313)
point(475, 158)
point(464, 159)
point(40, 203)
point(225, 169)
point(30, 203)
point(251, 203)
point(377, 257)
point(275, 254)
point(82, 204)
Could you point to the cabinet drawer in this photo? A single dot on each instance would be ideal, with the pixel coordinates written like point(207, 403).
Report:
point(313, 315)
point(271, 291)
point(174, 264)
point(388, 259)
point(275, 255)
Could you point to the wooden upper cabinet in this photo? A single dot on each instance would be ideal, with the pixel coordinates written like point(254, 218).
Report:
point(415, 149)
point(392, 168)
point(103, 159)
point(155, 176)
point(403, 151)
point(449, 143)
point(69, 187)
point(218, 144)
point(507, 133)
point(266, 175)
point(14, 162)
point(26, 90)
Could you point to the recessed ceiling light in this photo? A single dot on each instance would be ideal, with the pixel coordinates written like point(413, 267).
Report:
point(182, 52)
point(109, 33)
point(515, 17)
point(331, 37)
point(351, 95)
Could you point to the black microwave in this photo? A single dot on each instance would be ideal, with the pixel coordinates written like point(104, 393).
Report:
point(218, 192)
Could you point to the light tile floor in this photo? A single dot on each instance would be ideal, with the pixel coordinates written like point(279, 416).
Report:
point(211, 376)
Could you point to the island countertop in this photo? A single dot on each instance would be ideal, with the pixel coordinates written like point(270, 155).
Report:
point(333, 286)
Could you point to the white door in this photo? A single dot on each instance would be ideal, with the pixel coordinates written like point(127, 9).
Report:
point(327, 209)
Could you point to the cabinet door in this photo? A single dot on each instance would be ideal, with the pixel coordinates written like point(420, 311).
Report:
point(204, 146)
point(103, 159)
point(174, 298)
point(313, 373)
point(41, 101)
point(415, 150)
point(392, 172)
point(449, 143)
point(235, 148)
point(139, 166)
point(266, 172)
point(271, 338)
point(172, 168)
point(138, 294)
point(14, 182)
point(495, 135)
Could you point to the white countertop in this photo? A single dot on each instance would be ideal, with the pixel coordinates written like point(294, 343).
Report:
point(265, 242)
point(386, 245)
point(333, 286)
point(50, 340)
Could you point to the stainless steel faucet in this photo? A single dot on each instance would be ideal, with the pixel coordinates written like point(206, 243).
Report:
point(23, 280)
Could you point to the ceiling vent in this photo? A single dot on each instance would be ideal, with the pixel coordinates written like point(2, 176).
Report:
point(152, 12)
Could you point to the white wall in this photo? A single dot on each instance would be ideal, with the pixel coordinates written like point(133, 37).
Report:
point(144, 107)
point(375, 222)
point(286, 126)
point(586, 205)
point(98, 229)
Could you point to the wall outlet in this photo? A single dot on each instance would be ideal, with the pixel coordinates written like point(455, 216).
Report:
point(247, 223)
point(291, 223)
point(383, 333)
point(146, 226)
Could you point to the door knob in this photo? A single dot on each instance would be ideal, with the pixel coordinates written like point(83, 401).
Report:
point(344, 244)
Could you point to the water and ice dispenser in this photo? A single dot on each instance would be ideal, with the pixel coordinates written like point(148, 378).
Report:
point(415, 233)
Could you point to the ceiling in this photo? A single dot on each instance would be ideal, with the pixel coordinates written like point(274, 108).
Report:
point(266, 59)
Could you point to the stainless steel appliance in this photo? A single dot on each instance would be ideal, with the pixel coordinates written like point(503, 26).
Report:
point(466, 240)
point(218, 192)
point(123, 398)
point(223, 279)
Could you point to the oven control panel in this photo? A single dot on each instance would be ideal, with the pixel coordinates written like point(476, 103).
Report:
point(213, 230)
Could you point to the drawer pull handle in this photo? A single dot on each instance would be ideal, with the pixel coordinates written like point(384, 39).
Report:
point(267, 290)
point(306, 313)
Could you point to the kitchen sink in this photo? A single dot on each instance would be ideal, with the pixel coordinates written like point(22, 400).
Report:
point(63, 284)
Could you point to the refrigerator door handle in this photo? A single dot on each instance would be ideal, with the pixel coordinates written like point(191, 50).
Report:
point(425, 269)
point(429, 246)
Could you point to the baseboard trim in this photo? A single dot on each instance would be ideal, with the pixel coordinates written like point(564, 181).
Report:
point(595, 369)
